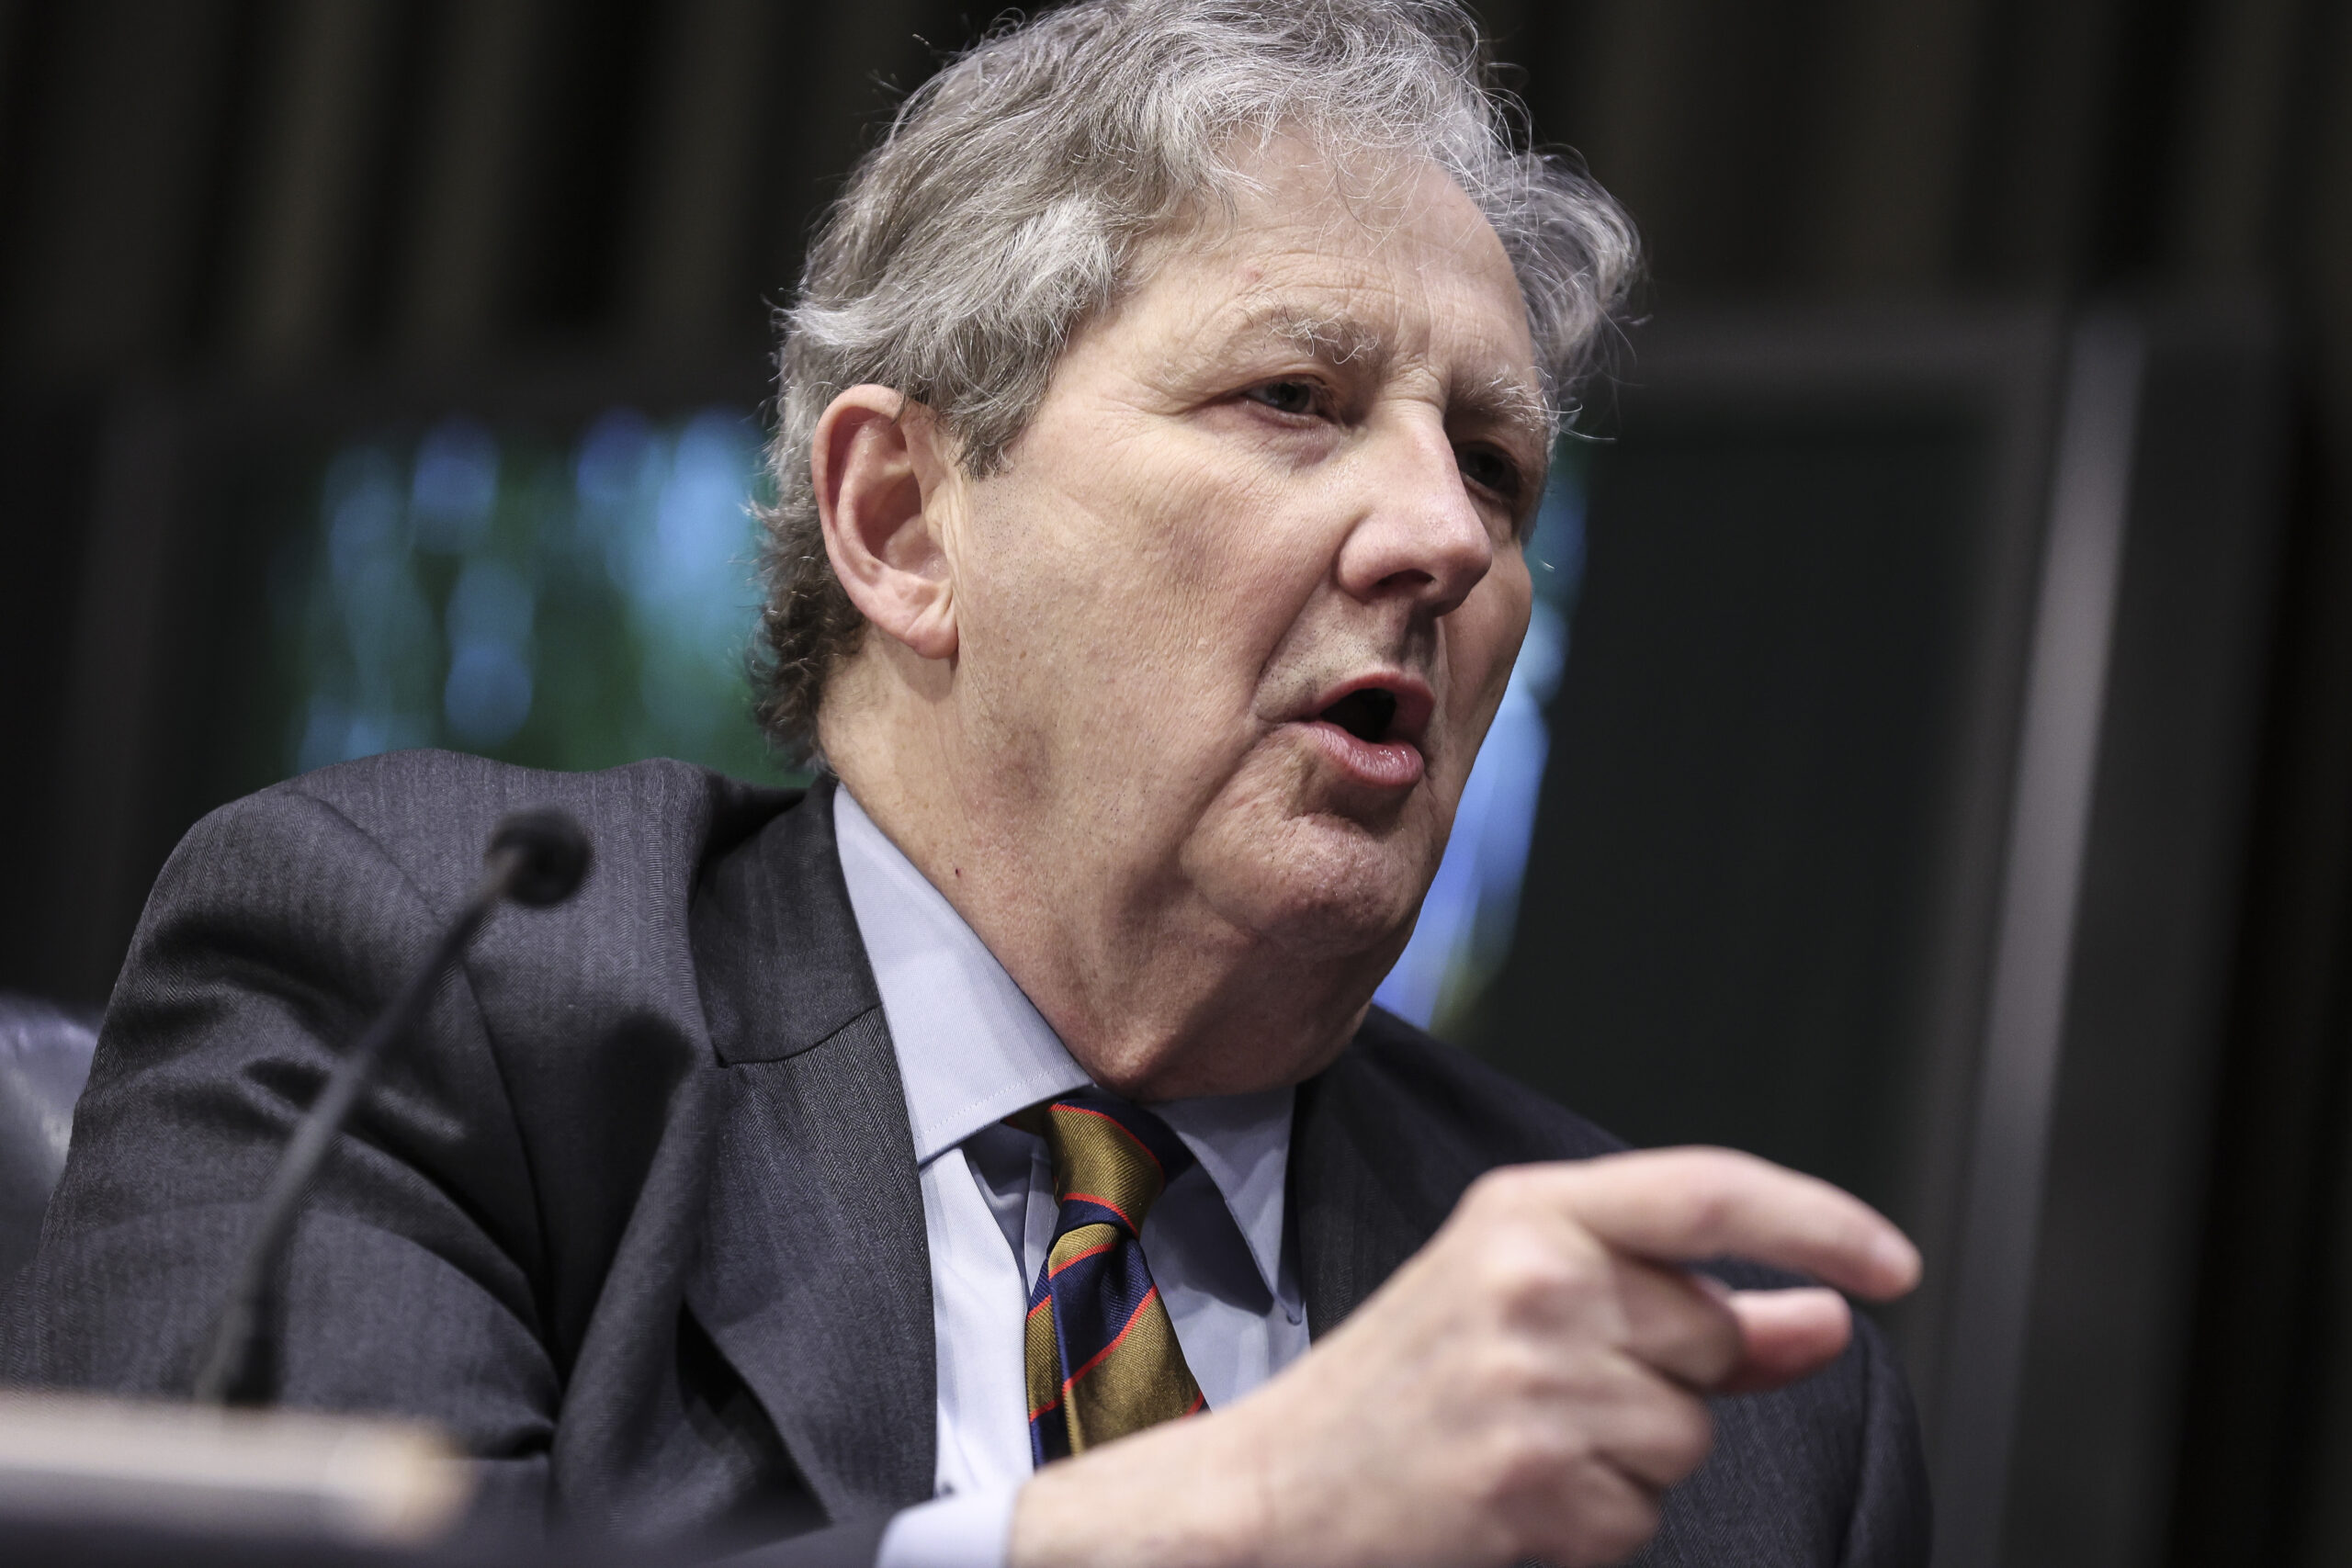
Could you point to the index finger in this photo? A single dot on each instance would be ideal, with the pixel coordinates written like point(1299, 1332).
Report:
point(1685, 1205)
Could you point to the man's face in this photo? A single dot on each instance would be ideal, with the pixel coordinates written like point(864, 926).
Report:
point(1237, 613)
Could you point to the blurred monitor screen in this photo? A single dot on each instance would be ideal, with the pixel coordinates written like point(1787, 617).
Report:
point(564, 605)
point(566, 587)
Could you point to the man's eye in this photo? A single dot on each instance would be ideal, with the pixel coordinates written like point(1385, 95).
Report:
point(1285, 397)
point(1490, 470)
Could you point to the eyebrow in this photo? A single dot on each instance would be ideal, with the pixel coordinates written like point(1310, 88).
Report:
point(1506, 398)
point(1342, 340)
point(1503, 397)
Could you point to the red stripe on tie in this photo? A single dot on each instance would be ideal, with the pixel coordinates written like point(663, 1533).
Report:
point(1055, 1404)
point(1044, 1305)
point(1198, 1400)
point(1124, 1129)
point(1102, 1203)
point(1076, 1258)
point(1133, 1318)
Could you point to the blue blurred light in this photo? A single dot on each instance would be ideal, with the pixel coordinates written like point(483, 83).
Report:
point(612, 470)
point(324, 726)
point(631, 575)
point(334, 733)
point(686, 571)
point(490, 603)
point(365, 519)
point(489, 692)
point(455, 486)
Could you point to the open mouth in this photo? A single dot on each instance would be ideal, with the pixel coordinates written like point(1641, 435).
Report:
point(1368, 713)
point(1373, 730)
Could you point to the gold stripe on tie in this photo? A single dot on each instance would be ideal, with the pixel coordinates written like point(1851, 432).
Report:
point(1139, 1382)
point(1096, 1156)
point(1041, 1359)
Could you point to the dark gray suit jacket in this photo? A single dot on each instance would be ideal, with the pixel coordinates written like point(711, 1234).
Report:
point(636, 1215)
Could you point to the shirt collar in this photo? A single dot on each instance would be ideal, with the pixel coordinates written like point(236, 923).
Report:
point(973, 1049)
point(1243, 1142)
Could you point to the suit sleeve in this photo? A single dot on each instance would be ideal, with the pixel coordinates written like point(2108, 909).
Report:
point(1892, 1522)
point(274, 931)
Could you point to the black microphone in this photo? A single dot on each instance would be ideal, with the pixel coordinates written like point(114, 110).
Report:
point(536, 859)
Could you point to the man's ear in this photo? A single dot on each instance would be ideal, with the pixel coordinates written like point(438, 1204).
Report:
point(879, 467)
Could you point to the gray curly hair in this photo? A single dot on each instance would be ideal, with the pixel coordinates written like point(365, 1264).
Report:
point(1017, 191)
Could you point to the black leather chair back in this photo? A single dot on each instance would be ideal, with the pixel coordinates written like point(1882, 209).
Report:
point(44, 1061)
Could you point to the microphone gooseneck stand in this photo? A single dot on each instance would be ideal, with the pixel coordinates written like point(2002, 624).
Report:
point(536, 859)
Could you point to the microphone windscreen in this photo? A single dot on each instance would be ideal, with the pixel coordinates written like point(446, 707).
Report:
point(553, 855)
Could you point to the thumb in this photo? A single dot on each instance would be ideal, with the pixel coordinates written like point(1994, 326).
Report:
point(1784, 1336)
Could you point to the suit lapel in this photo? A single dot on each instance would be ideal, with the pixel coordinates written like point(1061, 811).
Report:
point(1366, 1187)
point(813, 1278)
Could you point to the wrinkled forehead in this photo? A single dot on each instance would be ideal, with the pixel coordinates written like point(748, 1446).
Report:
point(1364, 261)
point(1337, 202)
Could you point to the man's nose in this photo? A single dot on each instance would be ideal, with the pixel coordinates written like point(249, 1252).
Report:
point(1418, 535)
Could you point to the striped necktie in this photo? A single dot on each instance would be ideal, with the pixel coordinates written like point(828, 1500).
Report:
point(1101, 1354)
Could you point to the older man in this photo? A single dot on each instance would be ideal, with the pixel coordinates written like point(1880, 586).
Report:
point(998, 1123)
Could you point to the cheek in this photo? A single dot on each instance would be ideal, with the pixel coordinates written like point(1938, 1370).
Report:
point(1143, 589)
point(1171, 546)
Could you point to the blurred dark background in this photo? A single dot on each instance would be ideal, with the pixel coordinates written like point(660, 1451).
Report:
point(1950, 769)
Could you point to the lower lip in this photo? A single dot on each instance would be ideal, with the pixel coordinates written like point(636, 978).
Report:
point(1382, 764)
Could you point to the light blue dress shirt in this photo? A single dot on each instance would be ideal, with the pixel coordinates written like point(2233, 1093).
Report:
point(972, 1050)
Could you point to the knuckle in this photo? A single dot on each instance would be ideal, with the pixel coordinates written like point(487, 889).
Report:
point(1513, 1273)
point(1537, 1454)
point(1487, 1188)
point(1499, 1193)
point(1494, 1368)
point(1711, 1205)
point(1536, 1274)
point(1535, 1475)
point(1553, 1448)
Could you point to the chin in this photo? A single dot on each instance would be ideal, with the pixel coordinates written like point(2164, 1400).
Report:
point(1322, 887)
point(1313, 867)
